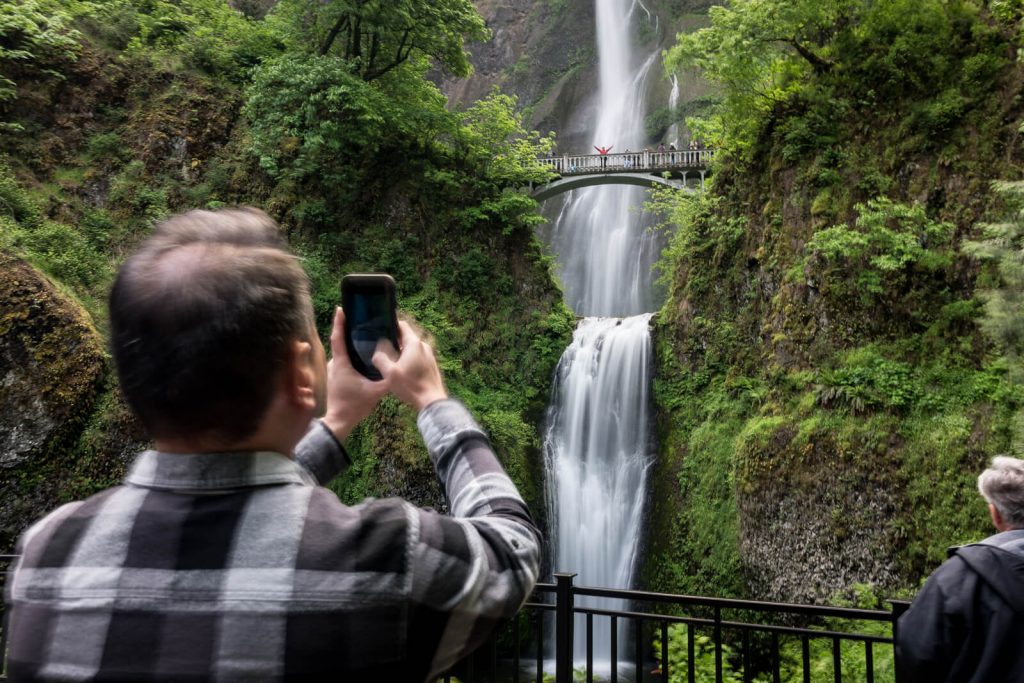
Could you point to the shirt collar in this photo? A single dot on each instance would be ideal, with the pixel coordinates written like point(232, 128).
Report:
point(214, 471)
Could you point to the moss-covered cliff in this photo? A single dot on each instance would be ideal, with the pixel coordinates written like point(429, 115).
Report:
point(826, 397)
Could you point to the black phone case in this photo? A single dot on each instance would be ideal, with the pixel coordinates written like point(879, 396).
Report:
point(354, 285)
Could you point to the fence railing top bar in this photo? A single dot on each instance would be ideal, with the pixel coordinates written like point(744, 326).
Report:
point(732, 624)
point(732, 603)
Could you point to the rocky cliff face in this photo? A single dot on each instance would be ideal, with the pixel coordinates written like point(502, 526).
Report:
point(545, 54)
point(62, 432)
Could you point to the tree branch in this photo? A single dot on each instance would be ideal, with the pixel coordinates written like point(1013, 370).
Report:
point(370, 74)
point(333, 34)
point(819, 65)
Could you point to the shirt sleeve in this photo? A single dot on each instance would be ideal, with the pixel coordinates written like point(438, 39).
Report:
point(473, 569)
point(321, 454)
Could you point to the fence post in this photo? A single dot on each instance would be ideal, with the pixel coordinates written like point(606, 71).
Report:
point(898, 608)
point(563, 626)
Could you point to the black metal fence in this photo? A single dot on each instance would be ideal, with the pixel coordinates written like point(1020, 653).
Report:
point(721, 639)
point(663, 638)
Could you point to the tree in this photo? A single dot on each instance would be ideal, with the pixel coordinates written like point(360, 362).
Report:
point(376, 36)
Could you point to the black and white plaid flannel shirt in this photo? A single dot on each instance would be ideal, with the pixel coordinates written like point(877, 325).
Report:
point(239, 567)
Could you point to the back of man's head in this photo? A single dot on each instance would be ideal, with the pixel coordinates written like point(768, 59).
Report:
point(1002, 485)
point(201, 317)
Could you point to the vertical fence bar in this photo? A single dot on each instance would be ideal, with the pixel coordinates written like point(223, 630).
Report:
point(869, 661)
point(806, 644)
point(718, 644)
point(470, 673)
point(590, 648)
point(664, 650)
point(691, 673)
point(515, 649)
point(837, 661)
point(563, 626)
point(638, 653)
point(776, 659)
point(747, 678)
point(540, 645)
point(898, 608)
point(615, 649)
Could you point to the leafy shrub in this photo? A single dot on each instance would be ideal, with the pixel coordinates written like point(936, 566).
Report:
point(703, 662)
point(867, 380)
point(889, 242)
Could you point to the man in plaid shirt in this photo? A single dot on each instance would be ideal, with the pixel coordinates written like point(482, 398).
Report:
point(221, 557)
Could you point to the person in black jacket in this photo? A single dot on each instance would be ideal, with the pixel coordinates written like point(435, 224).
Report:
point(967, 623)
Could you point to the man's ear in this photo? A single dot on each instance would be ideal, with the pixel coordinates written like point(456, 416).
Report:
point(300, 375)
point(997, 519)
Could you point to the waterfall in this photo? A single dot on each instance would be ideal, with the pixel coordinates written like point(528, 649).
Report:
point(673, 102)
point(597, 444)
point(597, 450)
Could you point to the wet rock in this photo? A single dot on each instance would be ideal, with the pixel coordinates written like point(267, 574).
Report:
point(51, 360)
point(51, 368)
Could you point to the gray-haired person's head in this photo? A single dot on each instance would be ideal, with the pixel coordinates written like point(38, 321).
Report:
point(201, 315)
point(1002, 485)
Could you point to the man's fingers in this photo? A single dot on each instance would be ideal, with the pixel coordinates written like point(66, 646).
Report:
point(338, 334)
point(407, 334)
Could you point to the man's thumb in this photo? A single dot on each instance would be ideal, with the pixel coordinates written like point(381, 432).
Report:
point(384, 357)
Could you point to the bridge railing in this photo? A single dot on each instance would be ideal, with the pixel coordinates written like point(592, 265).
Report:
point(583, 164)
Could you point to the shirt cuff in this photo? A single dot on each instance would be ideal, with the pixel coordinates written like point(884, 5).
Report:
point(321, 453)
point(445, 423)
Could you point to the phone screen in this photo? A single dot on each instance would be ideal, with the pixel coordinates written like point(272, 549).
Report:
point(369, 317)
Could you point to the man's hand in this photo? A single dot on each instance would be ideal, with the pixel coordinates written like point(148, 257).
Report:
point(413, 376)
point(350, 395)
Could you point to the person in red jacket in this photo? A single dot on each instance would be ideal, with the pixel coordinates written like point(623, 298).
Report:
point(603, 151)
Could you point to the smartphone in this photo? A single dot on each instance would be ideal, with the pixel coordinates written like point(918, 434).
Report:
point(368, 300)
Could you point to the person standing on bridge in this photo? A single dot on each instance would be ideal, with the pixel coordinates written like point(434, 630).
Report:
point(603, 151)
point(967, 623)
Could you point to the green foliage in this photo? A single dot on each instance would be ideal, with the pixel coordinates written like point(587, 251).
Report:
point(59, 250)
point(703, 664)
point(493, 138)
point(891, 245)
point(660, 120)
point(376, 37)
point(208, 35)
point(929, 59)
point(867, 380)
point(36, 39)
point(759, 50)
point(312, 116)
point(1001, 248)
point(1002, 245)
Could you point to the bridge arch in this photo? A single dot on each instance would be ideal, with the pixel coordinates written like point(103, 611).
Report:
point(567, 183)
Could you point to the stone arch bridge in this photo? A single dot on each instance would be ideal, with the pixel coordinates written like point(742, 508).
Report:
point(646, 169)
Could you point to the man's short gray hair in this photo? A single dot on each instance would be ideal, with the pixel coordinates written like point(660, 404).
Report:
point(201, 316)
point(1002, 485)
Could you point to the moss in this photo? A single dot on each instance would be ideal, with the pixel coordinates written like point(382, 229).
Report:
point(53, 368)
